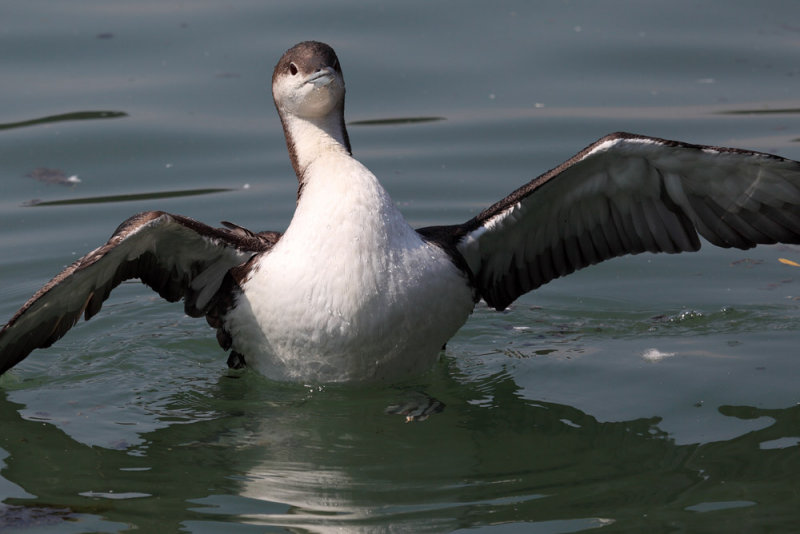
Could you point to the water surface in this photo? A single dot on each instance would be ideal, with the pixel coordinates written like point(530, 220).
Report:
point(649, 393)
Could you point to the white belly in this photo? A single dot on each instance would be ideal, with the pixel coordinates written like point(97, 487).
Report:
point(348, 318)
point(351, 293)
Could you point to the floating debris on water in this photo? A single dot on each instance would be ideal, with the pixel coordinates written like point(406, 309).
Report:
point(747, 262)
point(654, 355)
point(53, 176)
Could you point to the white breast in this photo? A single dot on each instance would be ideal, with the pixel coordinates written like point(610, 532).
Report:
point(351, 292)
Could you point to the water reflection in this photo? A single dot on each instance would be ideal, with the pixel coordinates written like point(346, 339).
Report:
point(324, 461)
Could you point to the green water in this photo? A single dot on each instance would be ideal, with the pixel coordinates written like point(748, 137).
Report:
point(555, 419)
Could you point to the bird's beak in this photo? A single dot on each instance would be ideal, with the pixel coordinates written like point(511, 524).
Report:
point(322, 77)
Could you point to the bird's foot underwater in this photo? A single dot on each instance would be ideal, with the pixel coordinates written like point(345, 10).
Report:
point(416, 406)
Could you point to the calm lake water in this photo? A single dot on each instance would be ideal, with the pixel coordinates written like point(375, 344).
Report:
point(557, 419)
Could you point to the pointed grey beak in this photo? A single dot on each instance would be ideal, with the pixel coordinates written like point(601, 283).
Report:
point(322, 77)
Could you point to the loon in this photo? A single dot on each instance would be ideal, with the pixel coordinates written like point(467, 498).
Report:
point(350, 292)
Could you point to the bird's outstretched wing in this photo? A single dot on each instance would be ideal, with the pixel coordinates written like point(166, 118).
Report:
point(176, 256)
point(627, 194)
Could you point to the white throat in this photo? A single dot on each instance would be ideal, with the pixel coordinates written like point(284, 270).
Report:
point(312, 138)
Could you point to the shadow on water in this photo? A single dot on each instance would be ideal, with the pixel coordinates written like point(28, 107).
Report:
point(275, 457)
point(127, 198)
point(760, 111)
point(73, 116)
point(394, 121)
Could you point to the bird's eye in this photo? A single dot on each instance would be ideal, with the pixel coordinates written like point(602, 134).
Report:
point(336, 66)
point(293, 68)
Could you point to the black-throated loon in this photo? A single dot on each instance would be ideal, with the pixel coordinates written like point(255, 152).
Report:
point(351, 293)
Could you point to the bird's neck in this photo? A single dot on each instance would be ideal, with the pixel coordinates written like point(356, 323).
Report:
point(311, 138)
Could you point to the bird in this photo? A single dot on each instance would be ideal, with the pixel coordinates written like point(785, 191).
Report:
point(351, 293)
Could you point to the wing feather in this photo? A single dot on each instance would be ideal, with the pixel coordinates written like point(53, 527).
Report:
point(176, 256)
point(627, 194)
